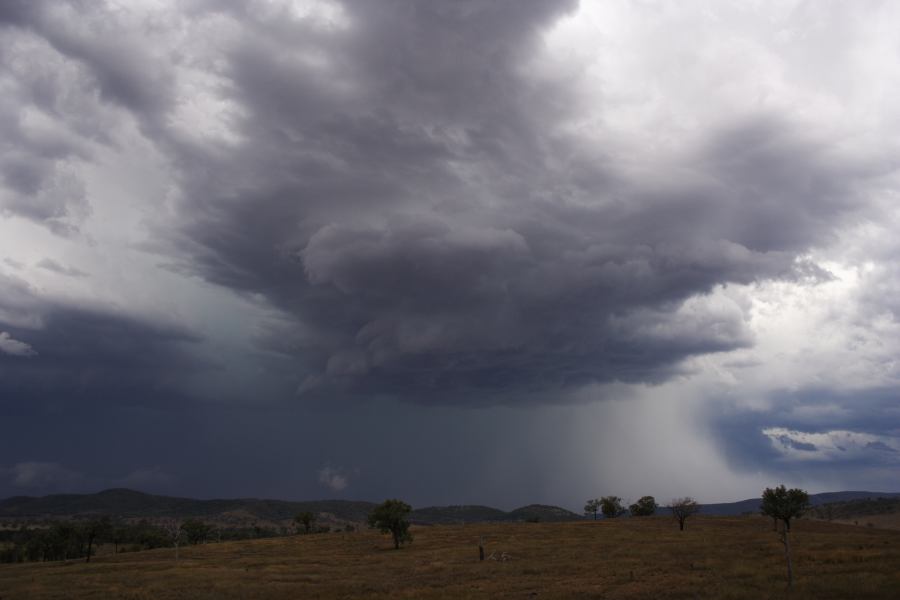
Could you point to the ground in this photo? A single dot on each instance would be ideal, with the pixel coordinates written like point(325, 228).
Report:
point(715, 557)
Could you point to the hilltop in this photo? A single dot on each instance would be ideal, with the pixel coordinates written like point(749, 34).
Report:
point(131, 504)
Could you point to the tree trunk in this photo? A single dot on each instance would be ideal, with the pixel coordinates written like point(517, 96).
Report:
point(786, 540)
point(90, 543)
point(680, 524)
point(396, 540)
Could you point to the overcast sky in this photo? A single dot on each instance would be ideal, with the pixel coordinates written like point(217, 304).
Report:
point(470, 251)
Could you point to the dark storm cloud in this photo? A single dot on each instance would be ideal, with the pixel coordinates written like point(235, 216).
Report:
point(84, 358)
point(401, 191)
point(401, 188)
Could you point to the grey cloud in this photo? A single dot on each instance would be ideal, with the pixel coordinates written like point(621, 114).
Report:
point(51, 265)
point(880, 446)
point(89, 356)
point(860, 413)
point(399, 189)
point(8, 345)
point(47, 122)
point(413, 215)
point(42, 476)
point(151, 478)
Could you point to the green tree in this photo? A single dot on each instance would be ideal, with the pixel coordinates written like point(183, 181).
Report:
point(196, 531)
point(390, 517)
point(306, 519)
point(592, 507)
point(644, 507)
point(783, 505)
point(682, 508)
point(611, 506)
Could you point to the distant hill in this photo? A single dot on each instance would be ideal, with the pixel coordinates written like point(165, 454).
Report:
point(434, 515)
point(131, 504)
point(542, 513)
point(751, 505)
point(127, 503)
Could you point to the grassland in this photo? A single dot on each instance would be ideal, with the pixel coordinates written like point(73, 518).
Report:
point(716, 557)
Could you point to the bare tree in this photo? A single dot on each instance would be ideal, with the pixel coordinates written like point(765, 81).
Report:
point(682, 508)
point(174, 532)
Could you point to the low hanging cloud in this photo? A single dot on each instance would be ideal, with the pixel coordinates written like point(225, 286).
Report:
point(42, 476)
point(334, 478)
point(8, 345)
point(834, 446)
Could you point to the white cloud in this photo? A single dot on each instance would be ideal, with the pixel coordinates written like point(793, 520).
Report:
point(836, 445)
point(8, 345)
point(333, 478)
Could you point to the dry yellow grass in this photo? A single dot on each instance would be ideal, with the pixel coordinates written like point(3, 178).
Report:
point(628, 558)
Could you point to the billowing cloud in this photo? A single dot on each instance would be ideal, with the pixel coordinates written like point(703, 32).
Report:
point(322, 205)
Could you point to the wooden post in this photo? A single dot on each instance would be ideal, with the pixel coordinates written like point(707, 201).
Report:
point(481, 548)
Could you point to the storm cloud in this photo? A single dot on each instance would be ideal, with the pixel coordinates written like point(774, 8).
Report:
point(466, 206)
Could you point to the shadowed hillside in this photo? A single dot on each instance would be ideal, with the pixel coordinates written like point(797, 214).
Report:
point(751, 505)
point(130, 504)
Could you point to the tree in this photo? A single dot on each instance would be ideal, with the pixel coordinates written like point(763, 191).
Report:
point(306, 519)
point(174, 533)
point(611, 506)
point(93, 530)
point(682, 508)
point(196, 531)
point(783, 505)
point(592, 507)
point(390, 517)
point(644, 507)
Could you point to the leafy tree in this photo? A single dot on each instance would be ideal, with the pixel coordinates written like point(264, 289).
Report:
point(682, 508)
point(644, 507)
point(390, 517)
point(592, 507)
point(783, 505)
point(306, 519)
point(611, 507)
point(196, 531)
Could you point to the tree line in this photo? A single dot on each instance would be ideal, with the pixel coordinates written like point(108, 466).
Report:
point(78, 539)
point(611, 507)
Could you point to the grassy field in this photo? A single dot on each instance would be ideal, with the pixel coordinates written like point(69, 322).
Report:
point(716, 557)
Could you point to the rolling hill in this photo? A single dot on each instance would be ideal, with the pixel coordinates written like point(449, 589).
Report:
point(131, 504)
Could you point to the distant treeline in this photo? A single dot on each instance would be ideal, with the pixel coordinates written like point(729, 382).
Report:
point(856, 508)
point(75, 539)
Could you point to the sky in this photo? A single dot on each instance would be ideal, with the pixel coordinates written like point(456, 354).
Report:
point(457, 252)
